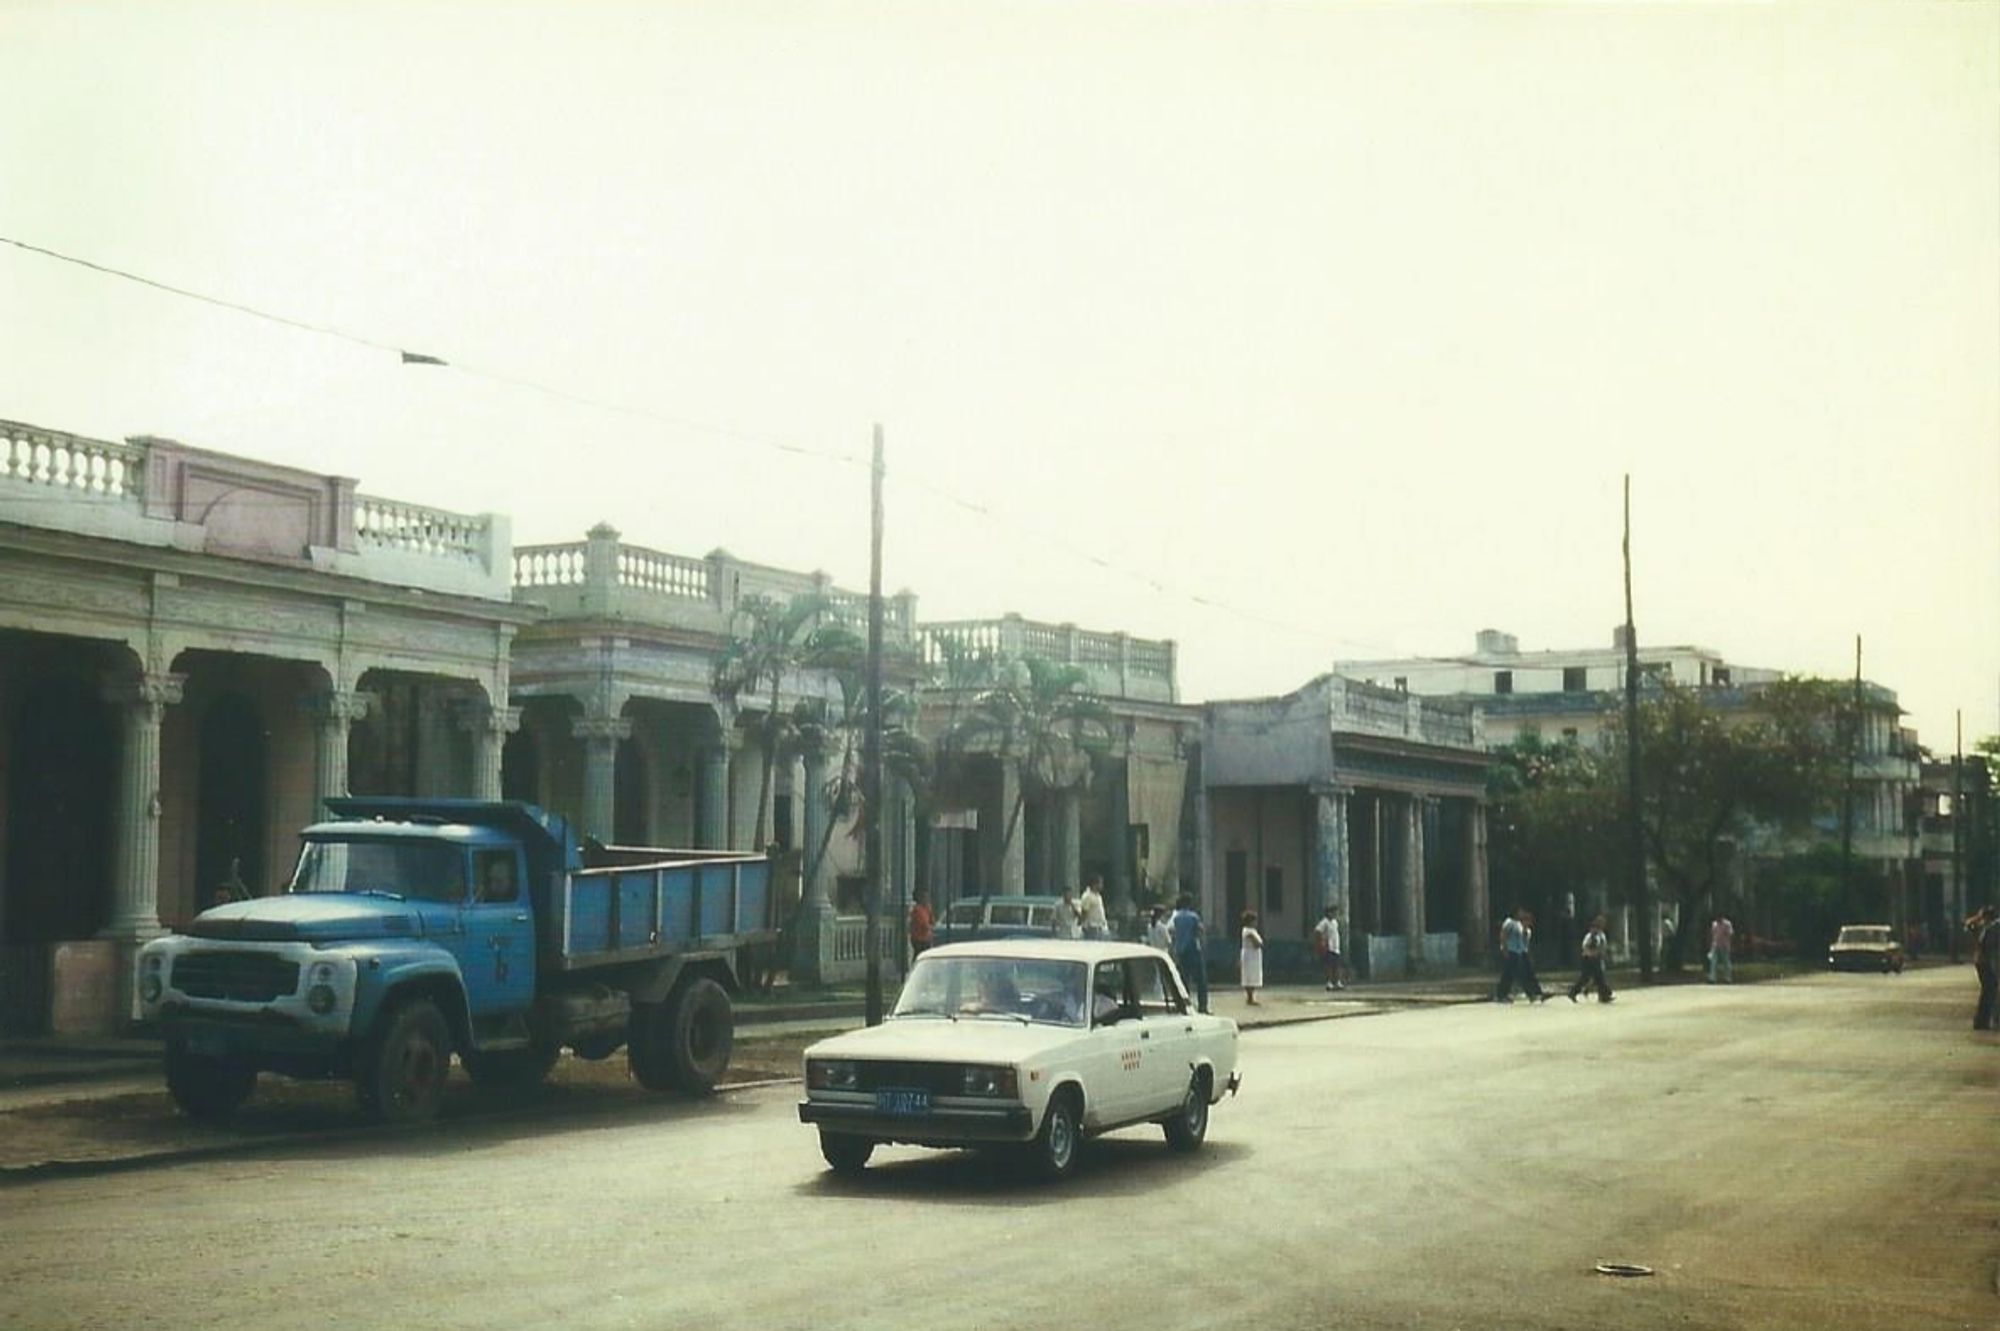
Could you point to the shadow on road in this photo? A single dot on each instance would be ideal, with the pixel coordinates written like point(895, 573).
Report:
point(1110, 1167)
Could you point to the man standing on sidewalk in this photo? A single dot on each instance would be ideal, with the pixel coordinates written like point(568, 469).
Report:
point(1091, 907)
point(1326, 940)
point(1721, 935)
point(1187, 935)
point(1986, 963)
point(1516, 965)
point(920, 922)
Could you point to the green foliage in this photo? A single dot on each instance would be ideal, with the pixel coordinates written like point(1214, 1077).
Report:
point(1552, 821)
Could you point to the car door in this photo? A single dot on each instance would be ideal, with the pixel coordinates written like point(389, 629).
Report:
point(1114, 1091)
point(1167, 1037)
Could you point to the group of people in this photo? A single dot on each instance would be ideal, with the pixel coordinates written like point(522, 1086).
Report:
point(1517, 961)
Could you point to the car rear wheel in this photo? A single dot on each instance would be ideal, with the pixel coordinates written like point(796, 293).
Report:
point(845, 1154)
point(1053, 1153)
point(1188, 1128)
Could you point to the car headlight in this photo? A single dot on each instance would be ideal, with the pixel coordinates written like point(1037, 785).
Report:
point(998, 1082)
point(827, 1074)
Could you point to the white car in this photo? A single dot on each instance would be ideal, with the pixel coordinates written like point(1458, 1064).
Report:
point(1023, 1043)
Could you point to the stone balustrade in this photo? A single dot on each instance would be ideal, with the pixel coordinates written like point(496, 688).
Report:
point(162, 493)
point(1374, 710)
point(1116, 664)
point(603, 577)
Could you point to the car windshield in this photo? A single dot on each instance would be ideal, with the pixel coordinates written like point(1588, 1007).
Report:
point(1855, 935)
point(427, 870)
point(1050, 992)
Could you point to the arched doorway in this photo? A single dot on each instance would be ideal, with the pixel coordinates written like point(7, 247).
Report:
point(230, 819)
point(521, 768)
point(62, 763)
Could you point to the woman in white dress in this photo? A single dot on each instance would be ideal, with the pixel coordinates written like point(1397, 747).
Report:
point(1252, 959)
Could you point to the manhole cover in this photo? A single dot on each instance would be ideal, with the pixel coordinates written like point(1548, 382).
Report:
point(1623, 1269)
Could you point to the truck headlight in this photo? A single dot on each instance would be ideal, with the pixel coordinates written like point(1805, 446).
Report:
point(321, 998)
point(150, 986)
point(999, 1082)
point(828, 1074)
point(153, 962)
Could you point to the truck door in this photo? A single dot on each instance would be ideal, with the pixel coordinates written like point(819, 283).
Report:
point(498, 949)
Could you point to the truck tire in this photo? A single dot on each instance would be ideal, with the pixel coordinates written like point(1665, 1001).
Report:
point(207, 1088)
point(404, 1065)
point(503, 1069)
point(684, 1043)
point(1188, 1127)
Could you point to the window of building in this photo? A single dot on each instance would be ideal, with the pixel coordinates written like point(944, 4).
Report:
point(1402, 683)
point(1503, 681)
point(1573, 679)
point(1720, 677)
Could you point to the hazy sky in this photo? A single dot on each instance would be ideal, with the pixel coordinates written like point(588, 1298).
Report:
point(1288, 331)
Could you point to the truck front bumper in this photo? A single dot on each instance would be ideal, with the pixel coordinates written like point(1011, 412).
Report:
point(266, 1037)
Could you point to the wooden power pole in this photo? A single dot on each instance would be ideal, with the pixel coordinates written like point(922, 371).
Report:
point(871, 756)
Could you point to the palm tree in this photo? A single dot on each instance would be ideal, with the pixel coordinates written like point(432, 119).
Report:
point(778, 638)
point(1039, 714)
point(834, 732)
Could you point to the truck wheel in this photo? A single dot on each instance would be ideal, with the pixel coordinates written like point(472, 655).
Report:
point(403, 1068)
point(207, 1088)
point(684, 1043)
point(845, 1154)
point(1188, 1128)
point(1054, 1150)
point(702, 1031)
point(511, 1068)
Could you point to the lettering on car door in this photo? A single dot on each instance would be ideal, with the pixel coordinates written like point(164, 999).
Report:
point(1168, 1032)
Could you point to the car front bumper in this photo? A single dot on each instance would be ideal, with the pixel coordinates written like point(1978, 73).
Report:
point(944, 1125)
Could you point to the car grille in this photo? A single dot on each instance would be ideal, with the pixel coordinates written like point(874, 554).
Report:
point(242, 977)
point(939, 1078)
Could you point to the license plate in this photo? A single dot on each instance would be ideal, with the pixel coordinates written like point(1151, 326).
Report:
point(902, 1103)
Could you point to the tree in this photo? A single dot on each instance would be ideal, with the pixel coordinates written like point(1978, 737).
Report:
point(833, 732)
point(777, 638)
point(1040, 715)
point(1712, 777)
point(1553, 819)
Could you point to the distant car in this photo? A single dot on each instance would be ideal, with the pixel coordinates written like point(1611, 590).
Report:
point(1866, 947)
point(998, 917)
point(1026, 1045)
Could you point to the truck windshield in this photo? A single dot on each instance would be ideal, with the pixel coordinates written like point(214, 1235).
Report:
point(426, 870)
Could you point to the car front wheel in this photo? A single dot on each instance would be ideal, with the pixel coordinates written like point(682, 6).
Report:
point(846, 1155)
point(1188, 1128)
point(1054, 1150)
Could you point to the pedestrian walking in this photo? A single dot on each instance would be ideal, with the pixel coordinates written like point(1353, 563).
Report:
point(1157, 933)
point(1250, 962)
point(920, 927)
point(1721, 935)
point(1185, 929)
point(1326, 942)
point(1594, 948)
point(1517, 966)
point(1069, 917)
point(1091, 907)
point(1986, 962)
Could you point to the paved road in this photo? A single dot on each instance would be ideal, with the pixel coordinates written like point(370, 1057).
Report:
point(1816, 1153)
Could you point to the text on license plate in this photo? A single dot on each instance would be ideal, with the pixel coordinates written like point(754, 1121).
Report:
point(896, 1100)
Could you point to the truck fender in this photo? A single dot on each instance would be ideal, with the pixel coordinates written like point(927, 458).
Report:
point(387, 979)
point(657, 983)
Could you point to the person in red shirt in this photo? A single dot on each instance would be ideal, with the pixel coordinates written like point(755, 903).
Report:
point(920, 922)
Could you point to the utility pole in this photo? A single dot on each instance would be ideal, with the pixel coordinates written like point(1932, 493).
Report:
point(1847, 786)
point(1635, 846)
point(871, 755)
point(1955, 913)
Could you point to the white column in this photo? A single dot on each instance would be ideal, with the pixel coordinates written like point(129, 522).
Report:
point(489, 727)
point(1330, 851)
point(1413, 876)
point(818, 814)
point(712, 770)
point(142, 700)
point(1011, 858)
point(1472, 918)
point(600, 735)
point(333, 714)
point(1069, 840)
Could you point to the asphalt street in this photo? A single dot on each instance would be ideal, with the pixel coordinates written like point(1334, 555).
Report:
point(1821, 1152)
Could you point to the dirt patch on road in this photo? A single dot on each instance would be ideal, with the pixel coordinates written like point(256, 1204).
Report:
point(137, 1124)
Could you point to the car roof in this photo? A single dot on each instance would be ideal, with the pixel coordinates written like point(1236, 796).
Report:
point(1045, 949)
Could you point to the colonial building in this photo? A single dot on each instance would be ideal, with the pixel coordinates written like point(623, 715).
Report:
point(1346, 794)
point(195, 649)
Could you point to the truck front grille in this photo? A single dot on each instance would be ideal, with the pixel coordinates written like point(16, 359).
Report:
point(240, 977)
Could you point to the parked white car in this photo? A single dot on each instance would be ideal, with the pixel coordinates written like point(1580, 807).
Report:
point(1027, 1044)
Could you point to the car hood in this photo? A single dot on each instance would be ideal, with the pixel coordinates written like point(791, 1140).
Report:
point(942, 1040)
point(308, 917)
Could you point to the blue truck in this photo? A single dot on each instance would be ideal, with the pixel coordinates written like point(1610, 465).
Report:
point(414, 929)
